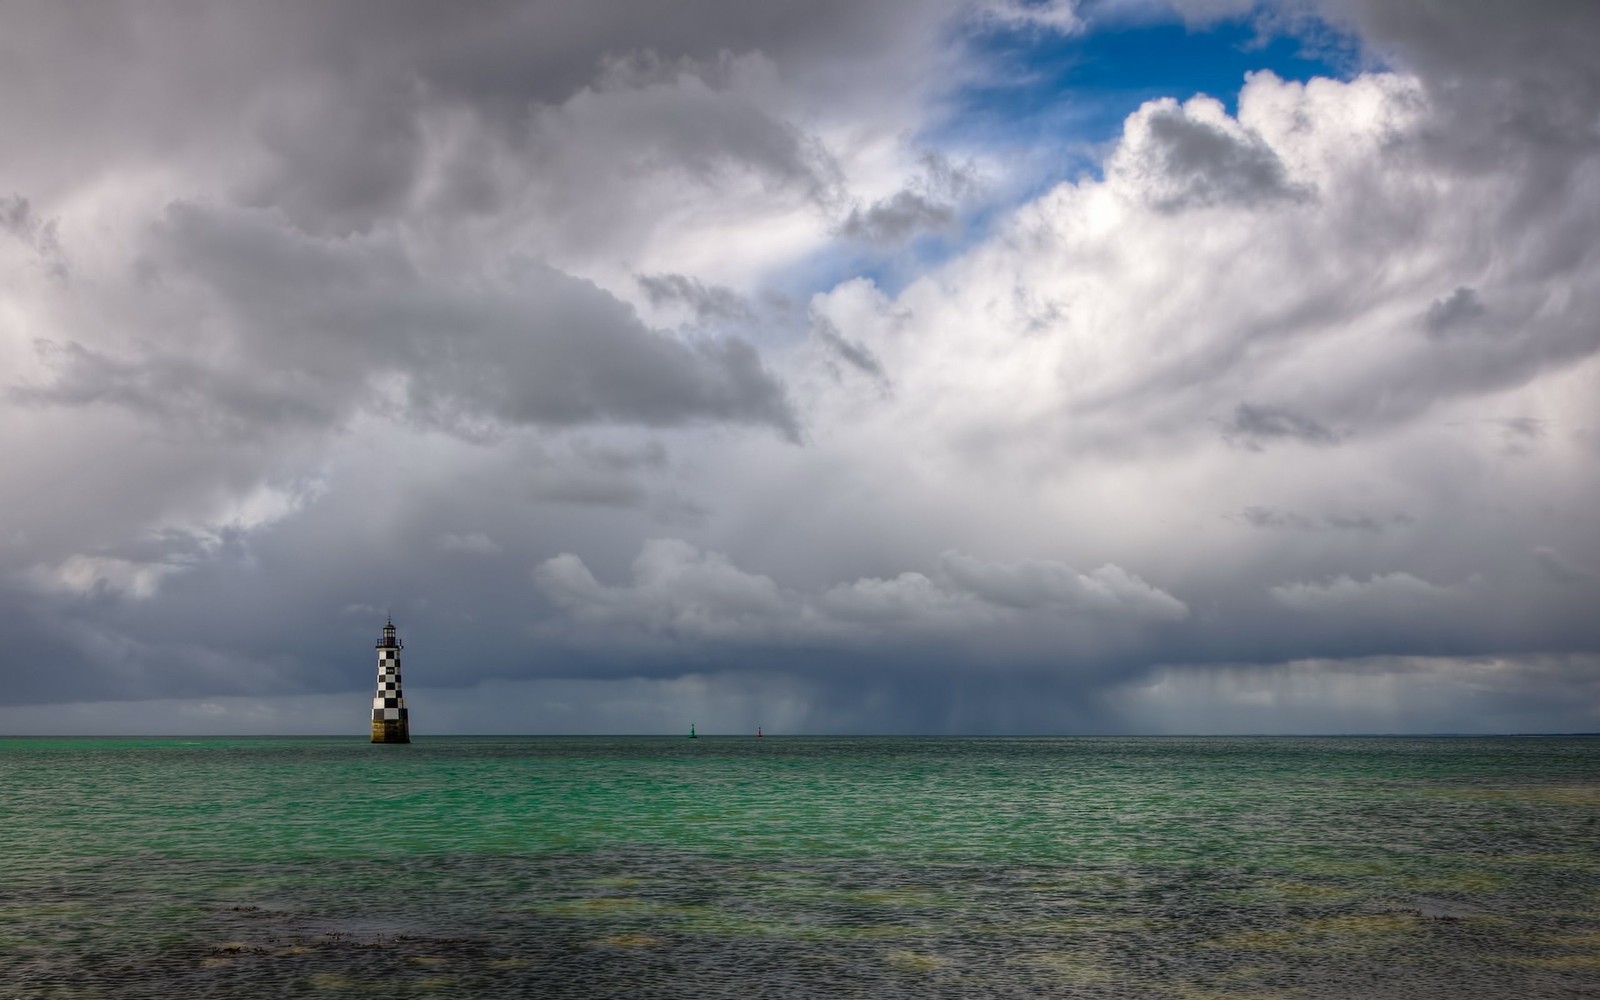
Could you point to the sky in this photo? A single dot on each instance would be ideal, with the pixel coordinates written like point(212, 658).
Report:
point(921, 366)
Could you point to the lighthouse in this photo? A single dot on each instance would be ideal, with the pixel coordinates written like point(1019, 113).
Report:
point(389, 722)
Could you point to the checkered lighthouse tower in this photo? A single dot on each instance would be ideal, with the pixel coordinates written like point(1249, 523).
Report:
point(389, 722)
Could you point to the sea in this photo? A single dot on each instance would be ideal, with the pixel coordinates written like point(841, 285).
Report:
point(738, 867)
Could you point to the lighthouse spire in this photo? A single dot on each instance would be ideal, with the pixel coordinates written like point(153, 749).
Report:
point(390, 721)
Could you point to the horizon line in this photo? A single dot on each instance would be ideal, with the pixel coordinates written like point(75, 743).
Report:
point(1443, 734)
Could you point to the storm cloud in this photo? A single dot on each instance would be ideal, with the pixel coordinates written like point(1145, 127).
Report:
point(713, 359)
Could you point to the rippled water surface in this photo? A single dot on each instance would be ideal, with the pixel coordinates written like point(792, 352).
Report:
point(737, 867)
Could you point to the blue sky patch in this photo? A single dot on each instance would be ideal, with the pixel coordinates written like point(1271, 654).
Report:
point(1052, 104)
point(1071, 93)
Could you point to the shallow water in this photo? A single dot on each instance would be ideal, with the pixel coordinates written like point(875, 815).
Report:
point(737, 867)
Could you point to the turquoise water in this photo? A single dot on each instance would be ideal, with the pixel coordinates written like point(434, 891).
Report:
point(737, 867)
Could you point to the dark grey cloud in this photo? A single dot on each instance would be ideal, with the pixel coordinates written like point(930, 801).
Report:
point(686, 603)
point(1524, 427)
point(19, 220)
point(1254, 425)
point(1267, 517)
point(1511, 85)
point(1200, 164)
point(335, 94)
point(608, 475)
point(1521, 71)
point(896, 218)
point(341, 166)
point(1533, 693)
point(1459, 310)
point(1563, 570)
point(309, 327)
point(929, 205)
point(1272, 517)
point(1359, 521)
point(712, 303)
point(1043, 626)
point(1521, 435)
point(181, 392)
point(856, 355)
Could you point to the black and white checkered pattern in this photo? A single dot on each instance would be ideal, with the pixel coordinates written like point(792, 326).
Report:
point(388, 702)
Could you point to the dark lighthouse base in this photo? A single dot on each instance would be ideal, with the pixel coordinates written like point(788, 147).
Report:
point(391, 731)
